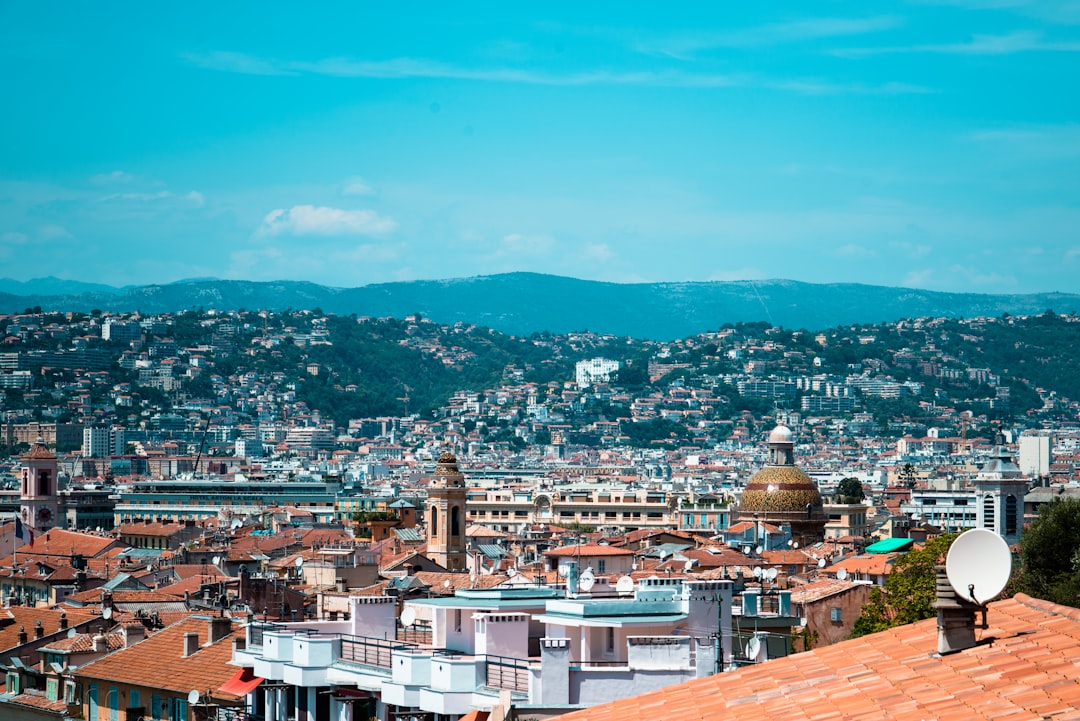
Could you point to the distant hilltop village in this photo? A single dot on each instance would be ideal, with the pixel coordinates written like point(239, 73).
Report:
point(261, 516)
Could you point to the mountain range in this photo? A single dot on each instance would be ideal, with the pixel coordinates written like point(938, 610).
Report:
point(523, 303)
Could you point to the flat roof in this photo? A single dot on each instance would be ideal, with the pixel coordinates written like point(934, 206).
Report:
point(610, 621)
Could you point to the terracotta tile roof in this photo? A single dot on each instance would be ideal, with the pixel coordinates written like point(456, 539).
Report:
point(22, 616)
point(1023, 668)
point(158, 662)
point(84, 642)
point(590, 549)
point(818, 590)
point(37, 699)
point(437, 581)
point(876, 564)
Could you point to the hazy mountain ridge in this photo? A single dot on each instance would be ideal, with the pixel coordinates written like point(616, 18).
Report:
point(523, 303)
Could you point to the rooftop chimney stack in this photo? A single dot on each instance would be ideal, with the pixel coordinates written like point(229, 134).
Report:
point(191, 644)
point(956, 617)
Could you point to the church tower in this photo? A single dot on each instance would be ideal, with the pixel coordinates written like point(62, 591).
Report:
point(446, 515)
point(39, 495)
point(1000, 487)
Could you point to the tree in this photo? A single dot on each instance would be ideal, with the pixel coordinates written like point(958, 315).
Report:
point(1050, 554)
point(908, 591)
point(850, 490)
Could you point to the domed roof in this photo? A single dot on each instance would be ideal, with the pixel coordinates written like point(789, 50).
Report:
point(780, 489)
point(446, 471)
point(781, 434)
point(39, 452)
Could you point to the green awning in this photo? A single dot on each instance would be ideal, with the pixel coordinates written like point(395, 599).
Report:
point(890, 545)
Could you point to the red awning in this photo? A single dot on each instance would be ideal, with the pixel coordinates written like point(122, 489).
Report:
point(241, 684)
point(475, 715)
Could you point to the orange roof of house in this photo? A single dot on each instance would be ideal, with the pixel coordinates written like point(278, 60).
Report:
point(592, 549)
point(1023, 668)
point(157, 661)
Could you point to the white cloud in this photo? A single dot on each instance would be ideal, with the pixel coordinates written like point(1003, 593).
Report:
point(532, 245)
point(600, 252)
point(357, 186)
point(321, 220)
point(116, 177)
point(401, 68)
point(1018, 42)
point(197, 198)
point(14, 238)
point(853, 250)
point(53, 232)
point(680, 46)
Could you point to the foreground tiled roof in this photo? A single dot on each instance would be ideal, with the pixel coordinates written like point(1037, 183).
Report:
point(1024, 667)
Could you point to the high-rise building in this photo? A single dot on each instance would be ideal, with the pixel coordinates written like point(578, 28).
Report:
point(103, 442)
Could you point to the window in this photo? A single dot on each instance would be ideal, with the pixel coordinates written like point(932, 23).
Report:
point(457, 620)
point(988, 512)
point(835, 614)
point(1010, 515)
point(610, 645)
point(114, 704)
point(179, 708)
point(601, 566)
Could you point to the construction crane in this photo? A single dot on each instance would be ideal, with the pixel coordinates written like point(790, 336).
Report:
point(405, 398)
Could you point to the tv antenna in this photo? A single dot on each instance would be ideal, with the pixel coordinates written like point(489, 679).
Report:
point(753, 647)
point(978, 565)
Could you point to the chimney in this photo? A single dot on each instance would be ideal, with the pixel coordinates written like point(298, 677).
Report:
point(219, 628)
point(100, 642)
point(63, 620)
point(22, 635)
point(191, 644)
point(39, 630)
point(133, 633)
point(956, 617)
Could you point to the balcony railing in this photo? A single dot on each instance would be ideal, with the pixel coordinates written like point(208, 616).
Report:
point(508, 674)
point(370, 651)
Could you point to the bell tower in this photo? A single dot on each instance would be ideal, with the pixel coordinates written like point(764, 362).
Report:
point(39, 496)
point(446, 515)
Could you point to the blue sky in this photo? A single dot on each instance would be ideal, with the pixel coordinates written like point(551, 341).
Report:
point(923, 144)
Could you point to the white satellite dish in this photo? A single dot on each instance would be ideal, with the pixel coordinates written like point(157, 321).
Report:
point(149, 568)
point(738, 571)
point(236, 523)
point(587, 580)
point(408, 616)
point(106, 613)
point(216, 560)
point(757, 571)
point(511, 572)
point(771, 574)
point(753, 647)
point(564, 571)
point(795, 545)
point(72, 633)
point(624, 585)
point(689, 564)
point(821, 563)
point(759, 549)
point(446, 583)
point(299, 561)
point(841, 575)
point(978, 565)
point(193, 697)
